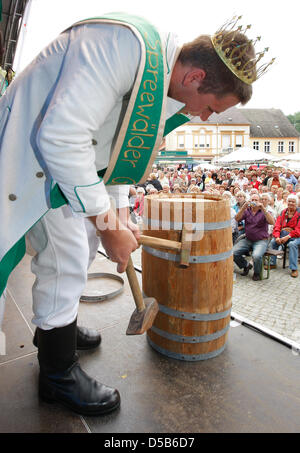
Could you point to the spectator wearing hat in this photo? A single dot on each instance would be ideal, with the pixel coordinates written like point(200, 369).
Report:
point(287, 233)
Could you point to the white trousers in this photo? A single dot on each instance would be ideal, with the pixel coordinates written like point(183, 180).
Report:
point(65, 247)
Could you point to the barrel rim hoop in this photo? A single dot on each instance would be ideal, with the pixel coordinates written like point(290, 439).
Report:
point(194, 259)
point(186, 357)
point(194, 316)
point(206, 226)
point(192, 340)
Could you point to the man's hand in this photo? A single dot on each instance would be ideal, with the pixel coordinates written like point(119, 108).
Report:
point(124, 217)
point(240, 214)
point(117, 239)
point(285, 239)
point(261, 207)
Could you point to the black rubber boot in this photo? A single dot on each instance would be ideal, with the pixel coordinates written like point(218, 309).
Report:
point(62, 380)
point(85, 338)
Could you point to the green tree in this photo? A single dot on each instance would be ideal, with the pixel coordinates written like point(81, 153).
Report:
point(295, 120)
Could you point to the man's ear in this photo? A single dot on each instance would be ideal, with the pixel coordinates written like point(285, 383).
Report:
point(194, 76)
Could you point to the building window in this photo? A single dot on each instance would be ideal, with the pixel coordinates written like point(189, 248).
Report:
point(267, 147)
point(256, 146)
point(291, 147)
point(281, 147)
point(226, 141)
point(238, 141)
point(180, 141)
point(201, 140)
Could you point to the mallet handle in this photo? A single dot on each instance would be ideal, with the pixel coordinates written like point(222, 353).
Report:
point(158, 242)
point(135, 287)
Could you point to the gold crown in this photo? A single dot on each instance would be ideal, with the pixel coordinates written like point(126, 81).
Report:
point(234, 55)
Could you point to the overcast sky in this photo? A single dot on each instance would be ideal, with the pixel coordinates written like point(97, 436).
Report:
point(277, 22)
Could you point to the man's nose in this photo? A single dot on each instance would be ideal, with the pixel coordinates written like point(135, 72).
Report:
point(205, 115)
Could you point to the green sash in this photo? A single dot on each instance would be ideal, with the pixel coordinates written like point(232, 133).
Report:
point(141, 131)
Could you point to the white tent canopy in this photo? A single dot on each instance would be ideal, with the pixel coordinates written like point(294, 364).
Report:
point(246, 155)
point(292, 156)
point(207, 166)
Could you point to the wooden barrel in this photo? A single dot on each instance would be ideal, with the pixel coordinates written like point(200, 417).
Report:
point(194, 303)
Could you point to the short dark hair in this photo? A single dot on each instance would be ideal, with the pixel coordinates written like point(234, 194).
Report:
point(219, 79)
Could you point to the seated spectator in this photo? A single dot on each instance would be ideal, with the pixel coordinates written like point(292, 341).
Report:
point(236, 190)
point(229, 178)
point(154, 181)
point(290, 178)
point(234, 223)
point(221, 189)
point(246, 191)
point(264, 189)
point(208, 179)
point(253, 191)
point(254, 181)
point(228, 195)
point(191, 184)
point(273, 205)
point(256, 220)
point(282, 204)
point(279, 193)
point(195, 189)
point(266, 200)
point(290, 188)
point(166, 188)
point(162, 178)
point(176, 188)
point(175, 179)
point(148, 188)
point(241, 199)
point(277, 180)
point(287, 232)
point(214, 177)
point(297, 188)
point(262, 177)
point(138, 208)
point(241, 179)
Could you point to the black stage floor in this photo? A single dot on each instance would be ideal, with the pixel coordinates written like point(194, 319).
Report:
point(252, 387)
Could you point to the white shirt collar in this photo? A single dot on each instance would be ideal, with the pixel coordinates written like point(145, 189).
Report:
point(172, 46)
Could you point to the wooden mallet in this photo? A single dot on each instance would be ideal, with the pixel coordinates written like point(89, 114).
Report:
point(147, 308)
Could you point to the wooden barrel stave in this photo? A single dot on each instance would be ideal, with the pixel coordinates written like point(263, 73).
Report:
point(194, 291)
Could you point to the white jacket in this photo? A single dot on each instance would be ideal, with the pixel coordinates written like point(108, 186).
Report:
point(58, 123)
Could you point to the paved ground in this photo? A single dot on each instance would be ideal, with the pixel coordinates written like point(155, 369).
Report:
point(251, 387)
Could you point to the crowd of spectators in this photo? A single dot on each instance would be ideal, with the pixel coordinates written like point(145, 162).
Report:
point(274, 190)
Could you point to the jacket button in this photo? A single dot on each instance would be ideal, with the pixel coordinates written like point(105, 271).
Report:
point(12, 197)
point(94, 142)
point(39, 174)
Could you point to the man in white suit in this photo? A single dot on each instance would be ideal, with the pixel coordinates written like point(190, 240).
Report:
point(59, 123)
